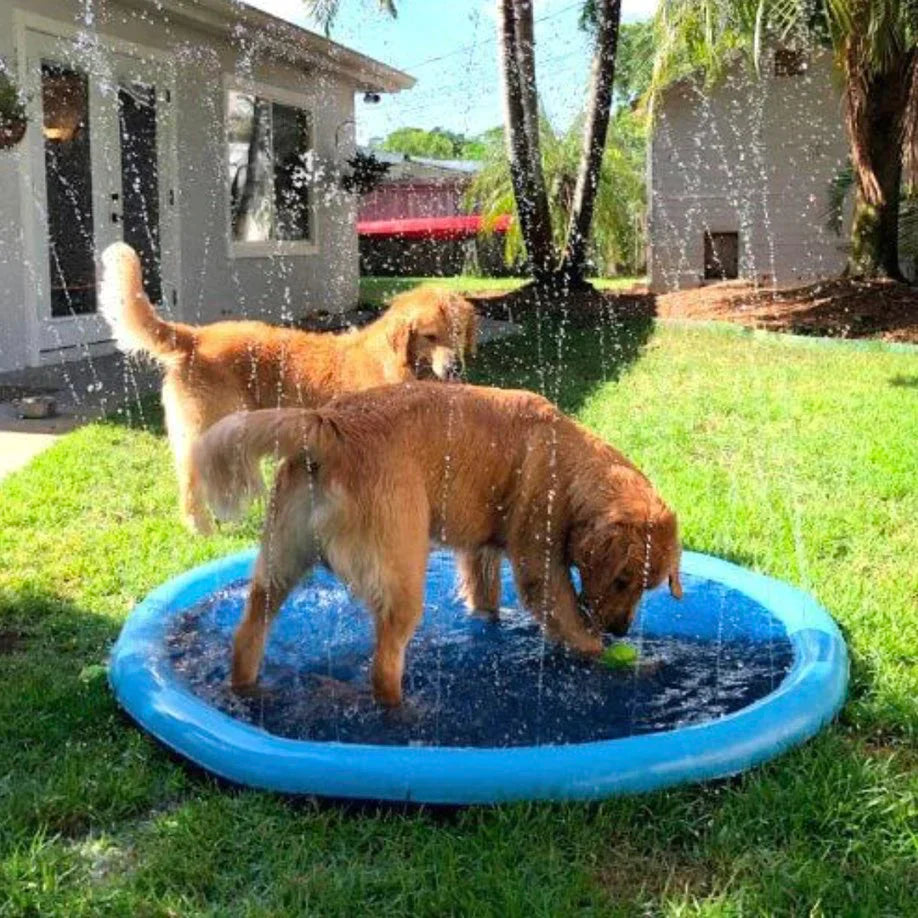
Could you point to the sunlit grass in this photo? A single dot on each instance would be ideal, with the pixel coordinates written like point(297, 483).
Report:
point(797, 460)
point(376, 291)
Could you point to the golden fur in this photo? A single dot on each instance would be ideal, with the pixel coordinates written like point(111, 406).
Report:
point(214, 370)
point(367, 482)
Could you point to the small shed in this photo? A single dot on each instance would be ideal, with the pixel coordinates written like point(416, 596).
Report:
point(739, 175)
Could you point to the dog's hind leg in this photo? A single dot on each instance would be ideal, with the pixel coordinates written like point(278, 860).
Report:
point(479, 579)
point(397, 602)
point(397, 613)
point(289, 549)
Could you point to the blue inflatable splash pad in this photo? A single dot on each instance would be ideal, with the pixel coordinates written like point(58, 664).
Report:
point(738, 671)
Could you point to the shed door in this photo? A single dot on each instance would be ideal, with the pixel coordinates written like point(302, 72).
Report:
point(721, 256)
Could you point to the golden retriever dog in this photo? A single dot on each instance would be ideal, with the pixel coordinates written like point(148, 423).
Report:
point(215, 370)
point(368, 481)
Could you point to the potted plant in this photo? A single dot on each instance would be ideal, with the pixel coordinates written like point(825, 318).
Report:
point(12, 113)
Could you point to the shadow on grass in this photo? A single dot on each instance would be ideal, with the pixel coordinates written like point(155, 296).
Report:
point(904, 382)
point(145, 413)
point(564, 362)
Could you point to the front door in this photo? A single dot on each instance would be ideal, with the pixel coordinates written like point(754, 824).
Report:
point(100, 173)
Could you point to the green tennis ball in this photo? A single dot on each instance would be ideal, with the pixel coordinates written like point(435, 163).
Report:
point(619, 655)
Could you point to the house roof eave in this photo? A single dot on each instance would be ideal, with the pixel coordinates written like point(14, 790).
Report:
point(237, 21)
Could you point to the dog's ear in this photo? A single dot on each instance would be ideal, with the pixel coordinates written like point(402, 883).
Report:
point(399, 338)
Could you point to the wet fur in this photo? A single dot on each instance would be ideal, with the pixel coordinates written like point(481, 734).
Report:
point(368, 481)
point(214, 370)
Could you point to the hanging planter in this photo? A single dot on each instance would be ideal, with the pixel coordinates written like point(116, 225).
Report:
point(13, 118)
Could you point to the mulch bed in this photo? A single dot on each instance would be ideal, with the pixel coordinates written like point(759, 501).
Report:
point(840, 308)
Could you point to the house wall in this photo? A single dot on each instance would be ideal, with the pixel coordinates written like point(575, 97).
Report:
point(753, 157)
point(13, 322)
point(398, 200)
point(212, 284)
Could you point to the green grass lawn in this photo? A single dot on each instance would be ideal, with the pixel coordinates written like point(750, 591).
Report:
point(376, 291)
point(795, 459)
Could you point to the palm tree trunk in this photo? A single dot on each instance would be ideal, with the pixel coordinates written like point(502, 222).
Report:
point(517, 66)
point(594, 139)
point(876, 107)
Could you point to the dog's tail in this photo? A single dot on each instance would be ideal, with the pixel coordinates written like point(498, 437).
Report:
point(226, 457)
point(130, 313)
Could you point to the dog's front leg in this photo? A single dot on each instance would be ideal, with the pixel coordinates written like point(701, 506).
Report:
point(546, 590)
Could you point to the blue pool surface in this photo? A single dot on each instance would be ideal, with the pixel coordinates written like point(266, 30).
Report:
point(743, 667)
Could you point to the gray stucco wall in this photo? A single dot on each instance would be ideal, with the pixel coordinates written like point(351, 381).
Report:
point(211, 283)
point(753, 156)
point(13, 339)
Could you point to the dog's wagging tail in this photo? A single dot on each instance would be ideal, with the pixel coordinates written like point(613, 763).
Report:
point(366, 482)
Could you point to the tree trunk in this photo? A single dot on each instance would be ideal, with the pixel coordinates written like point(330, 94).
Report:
point(875, 110)
point(517, 66)
point(602, 75)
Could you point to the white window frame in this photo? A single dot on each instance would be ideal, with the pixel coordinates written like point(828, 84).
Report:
point(272, 247)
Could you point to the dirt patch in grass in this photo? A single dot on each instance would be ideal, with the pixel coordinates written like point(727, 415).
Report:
point(636, 875)
point(840, 308)
point(9, 641)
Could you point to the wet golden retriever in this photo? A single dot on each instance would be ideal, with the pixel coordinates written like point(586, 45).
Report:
point(214, 370)
point(370, 479)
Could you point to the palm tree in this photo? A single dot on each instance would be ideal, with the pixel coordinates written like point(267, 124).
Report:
point(616, 241)
point(550, 259)
point(602, 74)
point(875, 44)
point(553, 262)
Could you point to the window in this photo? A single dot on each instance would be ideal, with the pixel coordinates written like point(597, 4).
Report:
point(721, 256)
point(68, 180)
point(269, 151)
point(789, 62)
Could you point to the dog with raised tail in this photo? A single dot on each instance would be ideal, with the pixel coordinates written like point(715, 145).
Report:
point(368, 481)
point(213, 370)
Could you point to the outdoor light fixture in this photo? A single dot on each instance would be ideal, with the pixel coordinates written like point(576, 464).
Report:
point(64, 102)
point(371, 98)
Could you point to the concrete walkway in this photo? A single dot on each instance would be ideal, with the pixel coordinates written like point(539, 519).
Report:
point(84, 390)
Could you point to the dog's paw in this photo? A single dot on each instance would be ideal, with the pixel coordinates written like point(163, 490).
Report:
point(408, 713)
point(486, 615)
point(251, 690)
point(327, 687)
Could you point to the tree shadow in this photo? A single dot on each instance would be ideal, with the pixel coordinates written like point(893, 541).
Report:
point(144, 413)
point(904, 382)
point(568, 352)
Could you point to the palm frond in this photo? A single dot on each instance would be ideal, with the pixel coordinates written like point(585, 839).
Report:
point(619, 206)
point(326, 11)
point(839, 188)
